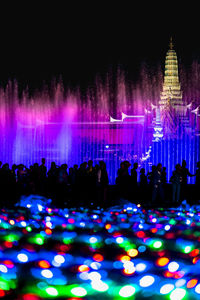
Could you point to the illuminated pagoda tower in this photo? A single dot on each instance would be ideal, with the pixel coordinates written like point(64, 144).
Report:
point(173, 111)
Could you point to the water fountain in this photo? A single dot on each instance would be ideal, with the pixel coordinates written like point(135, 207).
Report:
point(114, 120)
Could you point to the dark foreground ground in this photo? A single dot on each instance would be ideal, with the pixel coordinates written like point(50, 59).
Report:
point(124, 251)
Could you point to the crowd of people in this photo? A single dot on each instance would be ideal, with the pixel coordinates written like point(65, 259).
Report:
point(89, 185)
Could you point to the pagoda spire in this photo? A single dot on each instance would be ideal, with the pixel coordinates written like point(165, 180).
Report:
point(171, 46)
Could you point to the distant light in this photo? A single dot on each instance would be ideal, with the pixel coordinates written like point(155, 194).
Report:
point(162, 261)
point(107, 146)
point(22, 257)
point(166, 289)
point(3, 269)
point(167, 227)
point(52, 291)
point(147, 281)
point(79, 291)
point(93, 240)
point(140, 267)
point(177, 294)
point(94, 276)
point(100, 286)
point(173, 266)
point(23, 223)
point(127, 291)
point(180, 282)
point(47, 273)
point(59, 259)
point(157, 244)
point(188, 249)
point(197, 289)
point(119, 240)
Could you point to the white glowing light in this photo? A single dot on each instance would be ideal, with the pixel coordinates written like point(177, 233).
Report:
point(3, 269)
point(180, 282)
point(119, 240)
point(93, 240)
point(79, 291)
point(47, 273)
point(140, 267)
point(59, 259)
point(94, 276)
point(22, 257)
point(99, 285)
point(197, 289)
point(23, 223)
point(147, 281)
point(52, 291)
point(167, 227)
point(177, 294)
point(173, 266)
point(95, 265)
point(127, 291)
point(166, 289)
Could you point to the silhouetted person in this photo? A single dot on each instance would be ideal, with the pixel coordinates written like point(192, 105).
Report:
point(102, 184)
point(176, 180)
point(184, 173)
point(157, 193)
point(197, 182)
point(143, 184)
point(52, 179)
point(42, 177)
point(134, 181)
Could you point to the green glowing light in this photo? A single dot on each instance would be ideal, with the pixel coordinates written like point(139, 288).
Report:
point(4, 285)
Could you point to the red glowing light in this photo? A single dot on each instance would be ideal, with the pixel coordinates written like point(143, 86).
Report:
point(98, 257)
point(191, 283)
point(44, 264)
point(2, 293)
point(71, 221)
point(140, 234)
point(30, 297)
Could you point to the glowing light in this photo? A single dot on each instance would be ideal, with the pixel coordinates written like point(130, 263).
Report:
point(166, 289)
point(83, 268)
point(146, 281)
point(79, 291)
point(140, 267)
point(93, 240)
point(119, 240)
point(157, 244)
point(3, 269)
point(191, 283)
point(173, 266)
point(94, 276)
point(100, 286)
point(47, 273)
point(22, 257)
point(132, 252)
point(59, 259)
point(177, 294)
point(127, 291)
point(98, 257)
point(167, 227)
point(163, 261)
point(44, 264)
point(52, 291)
point(197, 289)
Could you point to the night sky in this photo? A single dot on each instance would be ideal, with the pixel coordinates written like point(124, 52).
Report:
point(77, 42)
